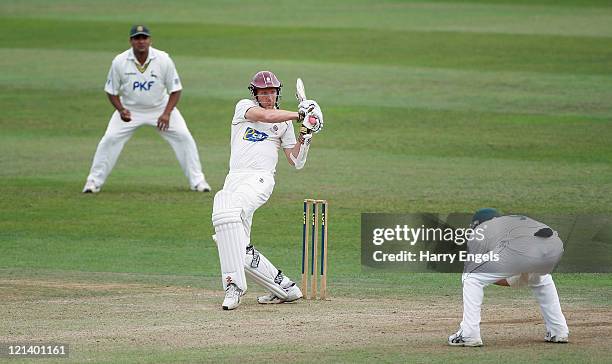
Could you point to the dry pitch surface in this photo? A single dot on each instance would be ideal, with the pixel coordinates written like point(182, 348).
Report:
point(112, 317)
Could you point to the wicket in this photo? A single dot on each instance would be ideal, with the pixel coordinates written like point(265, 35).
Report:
point(323, 207)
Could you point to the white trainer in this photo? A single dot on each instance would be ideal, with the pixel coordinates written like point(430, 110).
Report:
point(293, 294)
point(202, 187)
point(232, 297)
point(558, 339)
point(457, 339)
point(90, 187)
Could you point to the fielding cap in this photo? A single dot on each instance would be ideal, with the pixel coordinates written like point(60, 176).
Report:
point(483, 215)
point(139, 30)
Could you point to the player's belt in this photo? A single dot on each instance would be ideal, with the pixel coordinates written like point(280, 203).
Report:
point(544, 233)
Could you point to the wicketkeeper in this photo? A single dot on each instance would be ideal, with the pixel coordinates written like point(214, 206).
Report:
point(528, 251)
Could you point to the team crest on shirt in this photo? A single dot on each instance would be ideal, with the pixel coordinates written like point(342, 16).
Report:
point(273, 129)
point(253, 135)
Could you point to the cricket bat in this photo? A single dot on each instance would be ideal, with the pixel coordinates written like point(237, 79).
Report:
point(300, 95)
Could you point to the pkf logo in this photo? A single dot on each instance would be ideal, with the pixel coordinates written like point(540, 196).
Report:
point(142, 86)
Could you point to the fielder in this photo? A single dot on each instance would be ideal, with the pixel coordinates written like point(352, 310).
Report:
point(528, 251)
point(138, 85)
point(259, 130)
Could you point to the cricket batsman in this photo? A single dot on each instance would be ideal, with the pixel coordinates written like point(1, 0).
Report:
point(144, 87)
point(259, 129)
point(528, 251)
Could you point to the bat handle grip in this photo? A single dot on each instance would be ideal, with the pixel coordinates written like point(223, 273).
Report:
point(304, 130)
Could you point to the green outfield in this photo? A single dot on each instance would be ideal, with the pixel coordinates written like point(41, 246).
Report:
point(429, 107)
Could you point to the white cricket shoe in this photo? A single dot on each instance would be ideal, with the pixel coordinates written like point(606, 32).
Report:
point(90, 187)
point(232, 297)
point(558, 339)
point(202, 187)
point(293, 294)
point(457, 339)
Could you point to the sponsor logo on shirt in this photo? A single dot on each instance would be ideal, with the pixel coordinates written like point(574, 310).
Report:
point(253, 135)
point(142, 86)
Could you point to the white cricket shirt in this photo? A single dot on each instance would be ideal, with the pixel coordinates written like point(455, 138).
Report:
point(255, 145)
point(143, 86)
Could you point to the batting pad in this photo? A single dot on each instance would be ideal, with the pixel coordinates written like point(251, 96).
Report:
point(263, 272)
point(231, 240)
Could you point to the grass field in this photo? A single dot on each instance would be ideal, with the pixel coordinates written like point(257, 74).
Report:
point(430, 107)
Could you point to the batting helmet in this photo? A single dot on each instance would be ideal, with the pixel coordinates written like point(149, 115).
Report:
point(483, 215)
point(265, 79)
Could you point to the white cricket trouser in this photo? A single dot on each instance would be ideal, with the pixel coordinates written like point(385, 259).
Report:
point(249, 190)
point(543, 289)
point(119, 132)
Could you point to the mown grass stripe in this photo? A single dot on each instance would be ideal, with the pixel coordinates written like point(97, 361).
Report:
point(590, 18)
point(337, 84)
point(456, 50)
